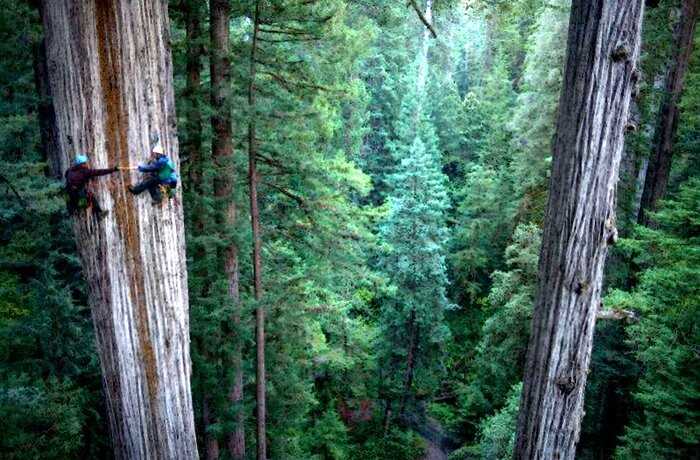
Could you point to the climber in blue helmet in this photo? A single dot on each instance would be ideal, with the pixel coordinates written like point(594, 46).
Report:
point(77, 178)
point(161, 172)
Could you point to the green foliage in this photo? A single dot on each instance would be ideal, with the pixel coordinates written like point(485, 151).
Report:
point(329, 437)
point(534, 116)
point(43, 419)
point(412, 320)
point(398, 443)
point(384, 204)
point(498, 431)
point(485, 206)
point(50, 391)
point(665, 338)
point(501, 351)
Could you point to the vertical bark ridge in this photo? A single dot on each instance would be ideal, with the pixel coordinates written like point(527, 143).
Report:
point(111, 79)
point(603, 46)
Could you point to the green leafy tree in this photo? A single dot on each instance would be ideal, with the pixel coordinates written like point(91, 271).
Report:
point(665, 338)
point(485, 203)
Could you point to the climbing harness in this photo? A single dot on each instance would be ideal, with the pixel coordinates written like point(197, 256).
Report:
point(167, 191)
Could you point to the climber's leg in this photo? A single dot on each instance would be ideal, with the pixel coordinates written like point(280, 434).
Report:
point(145, 184)
point(154, 190)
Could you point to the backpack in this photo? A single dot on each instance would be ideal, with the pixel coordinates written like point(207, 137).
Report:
point(167, 172)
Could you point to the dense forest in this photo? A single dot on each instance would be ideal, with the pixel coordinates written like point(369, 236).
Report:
point(425, 229)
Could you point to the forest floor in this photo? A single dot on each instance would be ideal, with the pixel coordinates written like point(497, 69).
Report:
point(433, 433)
point(434, 451)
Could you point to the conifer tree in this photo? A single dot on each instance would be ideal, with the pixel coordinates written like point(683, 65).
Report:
point(534, 114)
point(485, 204)
point(666, 336)
point(412, 320)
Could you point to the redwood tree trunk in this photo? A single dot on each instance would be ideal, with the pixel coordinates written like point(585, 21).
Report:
point(260, 377)
point(192, 143)
point(222, 153)
point(659, 168)
point(110, 76)
point(603, 46)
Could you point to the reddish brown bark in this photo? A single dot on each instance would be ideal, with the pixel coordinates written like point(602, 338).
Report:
point(260, 377)
point(211, 443)
point(222, 154)
point(192, 142)
point(110, 76)
point(661, 157)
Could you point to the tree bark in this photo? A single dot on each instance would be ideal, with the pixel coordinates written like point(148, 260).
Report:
point(410, 361)
point(211, 443)
point(659, 168)
point(260, 377)
point(192, 143)
point(110, 74)
point(222, 153)
point(603, 47)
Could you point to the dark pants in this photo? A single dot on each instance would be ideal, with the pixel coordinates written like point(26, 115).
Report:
point(152, 184)
point(74, 198)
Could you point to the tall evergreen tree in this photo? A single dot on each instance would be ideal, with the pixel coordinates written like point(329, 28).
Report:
point(412, 320)
point(666, 299)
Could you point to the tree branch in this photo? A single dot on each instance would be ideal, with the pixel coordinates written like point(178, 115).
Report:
point(617, 315)
point(422, 17)
point(14, 192)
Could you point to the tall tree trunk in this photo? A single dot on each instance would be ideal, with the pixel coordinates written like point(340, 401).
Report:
point(659, 168)
point(260, 377)
point(192, 142)
point(410, 361)
point(110, 74)
point(222, 154)
point(210, 442)
point(603, 47)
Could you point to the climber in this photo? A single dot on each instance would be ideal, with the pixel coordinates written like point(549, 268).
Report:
point(77, 178)
point(161, 171)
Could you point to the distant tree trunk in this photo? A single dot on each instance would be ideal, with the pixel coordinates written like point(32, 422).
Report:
point(659, 168)
point(260, 377)
point(222, 154)
point(410, 361)
point(192, 143)
point(603, 47)
point(210, 442)
point(110, 74)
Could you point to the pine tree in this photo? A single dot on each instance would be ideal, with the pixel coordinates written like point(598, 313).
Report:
point(664, 339)
point(412, 320)
point(485, 202)
point(500, 353)
point(534, 114)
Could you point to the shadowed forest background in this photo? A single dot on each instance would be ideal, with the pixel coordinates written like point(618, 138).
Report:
point(403, 182)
